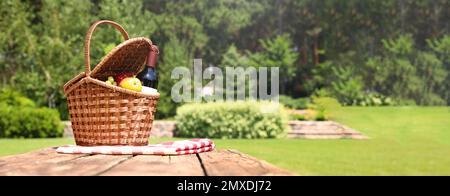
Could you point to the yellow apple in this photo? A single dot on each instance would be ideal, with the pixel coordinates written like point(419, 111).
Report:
point(131, 83)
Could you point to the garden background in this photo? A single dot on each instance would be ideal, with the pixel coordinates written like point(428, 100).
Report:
point(388, 58)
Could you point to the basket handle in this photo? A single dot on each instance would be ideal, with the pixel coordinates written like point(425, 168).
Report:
point(87, 43)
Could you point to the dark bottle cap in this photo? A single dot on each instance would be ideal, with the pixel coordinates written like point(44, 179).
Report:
point(152, 57)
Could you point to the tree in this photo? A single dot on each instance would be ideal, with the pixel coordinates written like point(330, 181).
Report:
point(441, 47)
point(17, 40)
point(432, 74)
point(53, 34)
point(221, 20)
point(41, 42)
point(232, 58)
point(399, 78)
point(405, 73)
point(340, 79)
point(277, 52)
point(174, 54)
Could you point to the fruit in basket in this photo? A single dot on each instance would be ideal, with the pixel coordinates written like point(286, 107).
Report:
point(111, 81)
point(131, 83)
point(119, 77)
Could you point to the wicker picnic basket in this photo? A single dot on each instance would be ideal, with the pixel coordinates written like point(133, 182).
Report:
point(103, 114)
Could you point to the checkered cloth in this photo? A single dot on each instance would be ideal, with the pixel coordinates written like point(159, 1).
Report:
point(192, 146)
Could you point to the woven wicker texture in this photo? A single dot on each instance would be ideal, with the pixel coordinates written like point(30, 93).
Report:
point(103, 114)
point(129, 56)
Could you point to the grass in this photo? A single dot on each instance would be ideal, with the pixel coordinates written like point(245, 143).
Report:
point(404, 141)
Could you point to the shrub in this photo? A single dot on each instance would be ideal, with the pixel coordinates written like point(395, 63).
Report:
point(20, 118)
point(323, 107)
point(27, 122)
point(320, 116)
point(309, 115)
point(405, 102)
point(299, 103)
point(249, 119)
point(346, 87)
point(326, 103)
point(14, 98)
point(300, 117)
point(373, 99)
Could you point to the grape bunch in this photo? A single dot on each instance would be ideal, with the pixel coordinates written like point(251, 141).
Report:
point(111, 81)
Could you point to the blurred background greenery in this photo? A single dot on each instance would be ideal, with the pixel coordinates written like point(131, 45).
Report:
point(330, 53)
point(371, 52)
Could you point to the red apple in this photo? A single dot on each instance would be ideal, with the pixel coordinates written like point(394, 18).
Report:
point(119, 77)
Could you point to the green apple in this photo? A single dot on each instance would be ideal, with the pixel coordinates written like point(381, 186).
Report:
point(131, 83)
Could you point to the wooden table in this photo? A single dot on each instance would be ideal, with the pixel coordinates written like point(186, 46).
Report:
point(215, 163)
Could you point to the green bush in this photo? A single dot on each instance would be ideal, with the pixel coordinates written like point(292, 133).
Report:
point(300, 117)
point(323, 107)
point(326, 103)
point(20, 118)
point(27, 122)
point(373, 99)
point(320, 116)
point(357, 99)
point(299, 103)
point(249, 119)
point(310, 115)
point(14, 98)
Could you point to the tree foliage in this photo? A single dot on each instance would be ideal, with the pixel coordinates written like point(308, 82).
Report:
point(352, 48)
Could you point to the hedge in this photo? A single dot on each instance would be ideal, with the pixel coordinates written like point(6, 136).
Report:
point(249, 119)
point(29, 122)
point(292, 103)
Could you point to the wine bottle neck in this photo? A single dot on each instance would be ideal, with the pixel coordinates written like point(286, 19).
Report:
point(152, 57)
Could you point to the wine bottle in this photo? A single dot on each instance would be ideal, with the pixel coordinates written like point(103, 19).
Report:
point(148, 76)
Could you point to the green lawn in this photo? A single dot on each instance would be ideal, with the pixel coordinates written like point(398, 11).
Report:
point(404, 141)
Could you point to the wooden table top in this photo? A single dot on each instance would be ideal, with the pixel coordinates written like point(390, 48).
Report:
point(216, 163)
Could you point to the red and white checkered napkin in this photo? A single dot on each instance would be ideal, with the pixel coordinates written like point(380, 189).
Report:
point(183, 147)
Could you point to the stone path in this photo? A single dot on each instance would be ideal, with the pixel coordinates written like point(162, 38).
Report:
point(322, 130)
point(299, 129)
